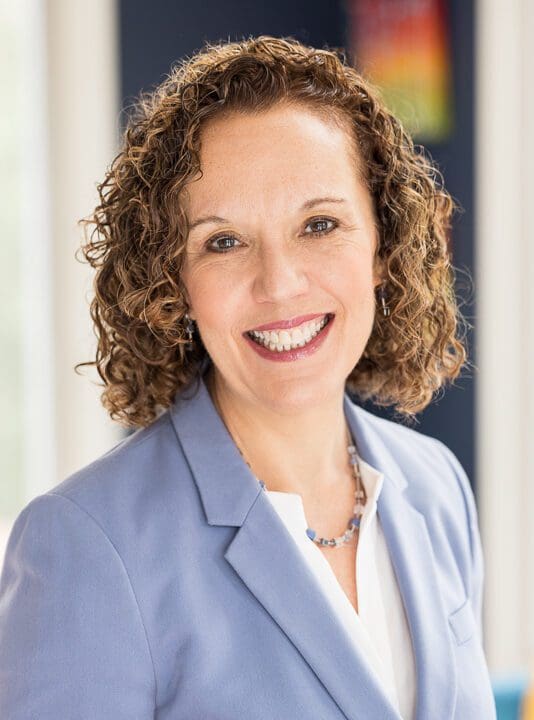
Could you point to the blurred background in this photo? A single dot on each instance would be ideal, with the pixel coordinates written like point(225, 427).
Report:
point(459, 75)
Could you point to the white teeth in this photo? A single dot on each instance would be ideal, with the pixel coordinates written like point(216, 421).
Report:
point(289, 339)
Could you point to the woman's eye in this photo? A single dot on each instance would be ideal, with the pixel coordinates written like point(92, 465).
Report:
point(225, 239)
point(321, 225)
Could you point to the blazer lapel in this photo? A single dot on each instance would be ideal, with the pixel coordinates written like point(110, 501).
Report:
point(412, 557)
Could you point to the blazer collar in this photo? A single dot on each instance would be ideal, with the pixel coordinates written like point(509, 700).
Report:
point(266, 558)
point(211, 451)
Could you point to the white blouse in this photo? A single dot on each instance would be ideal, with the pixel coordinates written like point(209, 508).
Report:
point(380, 627)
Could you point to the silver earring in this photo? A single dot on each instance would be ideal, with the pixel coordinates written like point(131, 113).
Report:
point(382, 295)
point(189, 328)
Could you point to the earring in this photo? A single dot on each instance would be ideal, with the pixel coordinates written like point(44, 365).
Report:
point(386, 311)
point(189, 328)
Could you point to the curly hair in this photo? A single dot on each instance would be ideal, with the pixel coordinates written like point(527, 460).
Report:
point(140, 229)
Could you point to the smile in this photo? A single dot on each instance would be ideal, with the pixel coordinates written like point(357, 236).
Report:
point(278, 341)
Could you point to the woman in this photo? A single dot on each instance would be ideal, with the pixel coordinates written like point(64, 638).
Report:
point(267, 239)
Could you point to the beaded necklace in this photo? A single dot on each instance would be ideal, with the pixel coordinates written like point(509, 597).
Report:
point(359, 494)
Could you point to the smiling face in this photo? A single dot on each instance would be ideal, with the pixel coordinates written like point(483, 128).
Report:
point(289, 234)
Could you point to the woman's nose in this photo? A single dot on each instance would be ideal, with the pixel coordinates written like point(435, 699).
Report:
point(279, 276)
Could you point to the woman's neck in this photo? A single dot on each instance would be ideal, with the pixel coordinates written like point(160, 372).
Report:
point(304, 454)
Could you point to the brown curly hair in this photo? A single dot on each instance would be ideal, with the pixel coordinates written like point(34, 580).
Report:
point(141, 229)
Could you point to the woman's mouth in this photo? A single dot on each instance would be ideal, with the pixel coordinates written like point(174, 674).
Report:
point(292, 343)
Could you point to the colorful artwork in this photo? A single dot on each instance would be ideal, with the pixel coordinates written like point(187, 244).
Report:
point(403, 47)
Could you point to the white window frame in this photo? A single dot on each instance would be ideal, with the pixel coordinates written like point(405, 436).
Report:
point(70, 108)
point(505, 330)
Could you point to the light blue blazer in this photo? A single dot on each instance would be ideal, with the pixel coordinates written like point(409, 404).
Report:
point(159, 582)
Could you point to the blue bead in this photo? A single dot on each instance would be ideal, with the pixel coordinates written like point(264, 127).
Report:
point(310, 533)
point(355, 521)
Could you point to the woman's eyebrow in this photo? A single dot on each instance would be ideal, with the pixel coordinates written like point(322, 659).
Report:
point(306, 206)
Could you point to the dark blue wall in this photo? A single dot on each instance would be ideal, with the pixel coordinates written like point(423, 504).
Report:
point(156, 34)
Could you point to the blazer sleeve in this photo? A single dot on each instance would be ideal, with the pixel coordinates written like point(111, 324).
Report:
point(476, 582)
point(72, 641)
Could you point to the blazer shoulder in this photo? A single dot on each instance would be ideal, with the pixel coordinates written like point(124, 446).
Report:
point(139, 473)
point(403, 441)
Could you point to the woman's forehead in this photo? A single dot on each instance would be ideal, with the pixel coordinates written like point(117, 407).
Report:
point(274, 134)
point(275, 155)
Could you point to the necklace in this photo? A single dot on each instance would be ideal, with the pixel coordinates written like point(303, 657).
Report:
point(359, 494)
